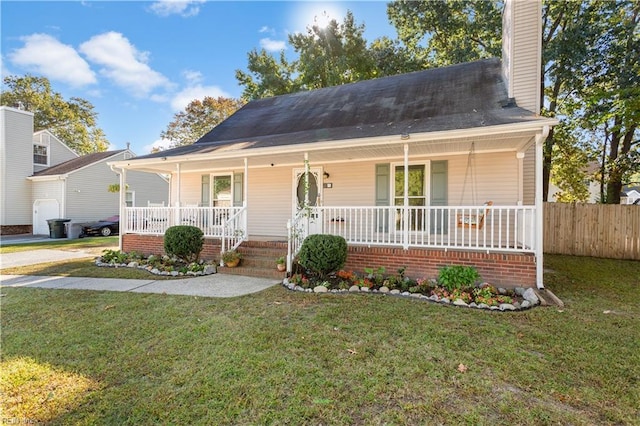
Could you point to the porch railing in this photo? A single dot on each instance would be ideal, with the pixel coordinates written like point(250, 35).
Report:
point(487, 228)
point(234, 231)
point(227, 222)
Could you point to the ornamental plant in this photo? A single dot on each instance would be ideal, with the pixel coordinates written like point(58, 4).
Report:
point(184, 242)
point(323, 254)
point(457, 276)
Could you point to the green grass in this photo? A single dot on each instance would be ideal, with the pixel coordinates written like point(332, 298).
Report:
point(62, 244)
point(81, 268)
point(280, 357)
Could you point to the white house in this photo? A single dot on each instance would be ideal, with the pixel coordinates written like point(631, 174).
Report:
point(42, 178)
point(420, 170)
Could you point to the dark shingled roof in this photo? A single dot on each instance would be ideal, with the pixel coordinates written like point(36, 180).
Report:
point(76, 163)
point(456, 97)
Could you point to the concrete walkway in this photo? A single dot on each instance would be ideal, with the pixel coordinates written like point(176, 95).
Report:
point(216, 285)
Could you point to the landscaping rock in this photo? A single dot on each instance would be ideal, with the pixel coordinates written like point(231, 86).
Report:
point(405, 293)
point(175, 273)
point(507, 307)
point(502, 291)
point(519, 291)
point(434, 297)
point(365, 289)
point(473, 305)
point(460, 302)
point(483, 306)
point(445, 300)
point(209, 269)
point(132, 264)
point(320, 289)
point(384, 289)
point(354, 289)
point(530, 295)
point(525, 304)
point(395, 291)
point(155, 271)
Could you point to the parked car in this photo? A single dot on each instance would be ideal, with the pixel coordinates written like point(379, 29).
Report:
point(104, 227)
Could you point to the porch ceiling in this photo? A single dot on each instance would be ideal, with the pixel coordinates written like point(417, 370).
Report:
point(324, 153)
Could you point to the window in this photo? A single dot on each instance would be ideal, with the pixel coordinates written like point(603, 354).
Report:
point(41, 155)
point(130, 198)
point(222, 191)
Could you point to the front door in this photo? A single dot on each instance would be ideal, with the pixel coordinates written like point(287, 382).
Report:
point(314, 197)
point(417, 195)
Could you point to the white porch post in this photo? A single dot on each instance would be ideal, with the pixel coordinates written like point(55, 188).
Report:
point(245, 190)
point(405, 224)
point(306, 191)
point(540, 137)
point(178, 201)
point(123, 204)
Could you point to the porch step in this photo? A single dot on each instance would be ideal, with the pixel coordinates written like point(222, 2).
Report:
point(258, 260)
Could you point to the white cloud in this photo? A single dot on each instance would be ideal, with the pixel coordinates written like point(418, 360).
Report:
point(184, 8)
point(123, 64)
point(45, 55)
point(272, 45)
point(190, 93)
point(268, 30)
point(193, 77)
point(160, 144)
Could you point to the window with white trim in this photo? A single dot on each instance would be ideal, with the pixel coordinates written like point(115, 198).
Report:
point(130, 198)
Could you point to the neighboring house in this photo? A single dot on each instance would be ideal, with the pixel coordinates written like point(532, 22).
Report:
point(630, 195)
point(400, 166)
point(43, 179)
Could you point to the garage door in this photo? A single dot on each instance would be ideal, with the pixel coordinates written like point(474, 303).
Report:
point(43, 210)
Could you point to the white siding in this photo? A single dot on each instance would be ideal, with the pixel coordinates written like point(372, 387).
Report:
point(49, 190)
point(522, 47)
point(88, 197)
point(58, 151)
point(16, 163)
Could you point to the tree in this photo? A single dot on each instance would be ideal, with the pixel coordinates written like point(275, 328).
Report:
point(610, 96)
point(199, 117)
point(447, 32)
point(73, 121)
point(328, 56)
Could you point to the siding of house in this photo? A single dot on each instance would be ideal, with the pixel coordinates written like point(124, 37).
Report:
point(148, 187)
point(521, 52)
point(353, 184)
point(87, 192)
point(58, 151)
point(16, 163)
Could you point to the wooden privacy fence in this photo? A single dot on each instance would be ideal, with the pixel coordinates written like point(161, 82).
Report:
point(599, 230)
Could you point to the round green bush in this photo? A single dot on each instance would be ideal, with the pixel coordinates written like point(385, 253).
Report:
point(184, 242)
point(323, 254)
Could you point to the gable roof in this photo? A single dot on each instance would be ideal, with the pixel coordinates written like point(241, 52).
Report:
point(77, 163)
point(460, 96)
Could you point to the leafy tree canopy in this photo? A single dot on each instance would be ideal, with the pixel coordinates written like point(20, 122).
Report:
point(199, 117)
point(73, 121)
point(327, 56)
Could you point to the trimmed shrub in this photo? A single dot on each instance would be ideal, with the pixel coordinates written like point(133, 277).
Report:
point(457, 276)
point(184, 242)
point(323, 254)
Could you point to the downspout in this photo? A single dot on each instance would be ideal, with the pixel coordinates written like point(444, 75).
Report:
point(122, 195)
point(540, 137)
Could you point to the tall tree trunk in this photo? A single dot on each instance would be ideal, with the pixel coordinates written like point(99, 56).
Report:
point(614, 183)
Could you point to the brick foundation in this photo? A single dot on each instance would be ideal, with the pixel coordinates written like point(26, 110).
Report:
point(152, 244)
point(504, 269)
point(15, 229)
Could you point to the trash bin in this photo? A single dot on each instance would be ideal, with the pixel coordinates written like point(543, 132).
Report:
point(74, 230)
point(56, 228)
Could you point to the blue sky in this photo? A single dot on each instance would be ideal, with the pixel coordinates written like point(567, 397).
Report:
point(139, 63)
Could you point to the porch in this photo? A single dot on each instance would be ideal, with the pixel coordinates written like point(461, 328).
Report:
point(420, 238)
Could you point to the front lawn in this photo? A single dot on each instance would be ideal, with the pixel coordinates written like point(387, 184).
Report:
point(280, 357)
